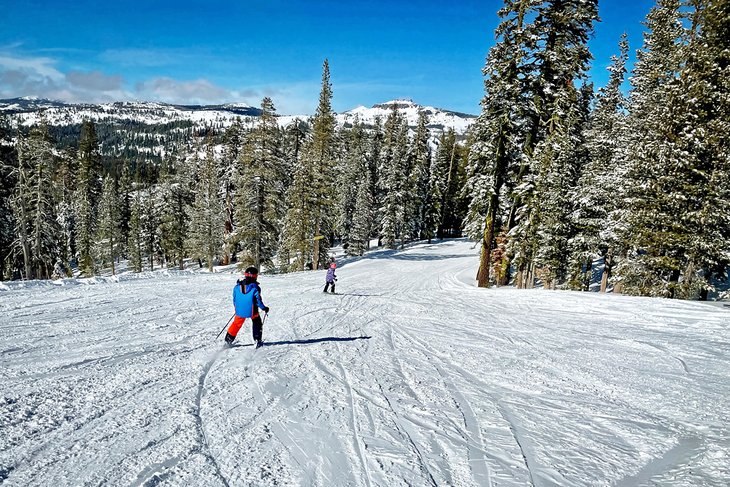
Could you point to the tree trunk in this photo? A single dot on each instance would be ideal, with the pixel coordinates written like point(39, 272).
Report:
point(486, 258)
point(673, 280)
point(607, 264)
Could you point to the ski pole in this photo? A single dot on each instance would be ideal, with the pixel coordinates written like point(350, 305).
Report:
point(229, 322)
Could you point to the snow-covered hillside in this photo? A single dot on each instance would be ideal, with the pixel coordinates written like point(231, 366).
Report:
point(438, 119)
point(411, 376)
point(27, 111)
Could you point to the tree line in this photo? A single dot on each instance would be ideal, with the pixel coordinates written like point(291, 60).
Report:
point(261, 195)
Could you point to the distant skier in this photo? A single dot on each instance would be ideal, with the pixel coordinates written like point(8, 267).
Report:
point(331, 277)
point(247, 302)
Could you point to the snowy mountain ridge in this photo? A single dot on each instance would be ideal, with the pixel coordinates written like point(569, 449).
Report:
point(27, 111)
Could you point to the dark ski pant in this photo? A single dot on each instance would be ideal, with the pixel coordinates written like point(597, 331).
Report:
point(257, 328)
point(327, 285)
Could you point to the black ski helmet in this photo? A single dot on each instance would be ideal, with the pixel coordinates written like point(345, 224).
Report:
point(251, 272)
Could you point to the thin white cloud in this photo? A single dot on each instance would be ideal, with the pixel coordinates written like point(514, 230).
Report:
point(168, 90)
point(94, 81)
point(39, 76)
point(38, 67)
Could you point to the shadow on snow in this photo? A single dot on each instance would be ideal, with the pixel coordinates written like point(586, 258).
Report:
point(316, 340)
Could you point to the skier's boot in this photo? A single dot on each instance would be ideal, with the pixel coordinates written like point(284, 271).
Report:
point(259, 343)
point(229, 339)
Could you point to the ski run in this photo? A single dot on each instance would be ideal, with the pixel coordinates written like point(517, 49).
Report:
point(411, 375)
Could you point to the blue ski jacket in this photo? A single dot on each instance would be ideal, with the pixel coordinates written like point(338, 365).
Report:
point(247, 299)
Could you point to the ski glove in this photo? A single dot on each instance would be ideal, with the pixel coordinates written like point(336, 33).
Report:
point(266, 309)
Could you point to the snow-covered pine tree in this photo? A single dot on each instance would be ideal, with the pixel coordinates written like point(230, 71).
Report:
point(233, 140)
point(652, 236)
point(349, 179)
point(259, 207)
point(320, 151)
point(177, 200)
point(702, 100)
point(206, 226)
point(88, 193)
point(561, 158)
point(108, 234)
point(310, 216)
point(362, 215)
point(599, 193)
point(151, 221)
point(710, 73)
point(420, 180)
point(65, 189)
point(21, 204)
point(135, 239)
point(447, 178)
point(559, 59)
point(494, 150)
point(392, 177)
point(34, 205)
point(373, 160)
point(125, 204)
point(7, 185)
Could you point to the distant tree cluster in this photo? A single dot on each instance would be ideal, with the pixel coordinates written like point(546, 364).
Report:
point(263, 195)
point(558, 180)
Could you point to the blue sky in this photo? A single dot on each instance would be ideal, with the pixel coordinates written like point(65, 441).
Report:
point(239, 50)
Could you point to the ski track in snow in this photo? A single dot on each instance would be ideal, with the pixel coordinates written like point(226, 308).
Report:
point(411, 376)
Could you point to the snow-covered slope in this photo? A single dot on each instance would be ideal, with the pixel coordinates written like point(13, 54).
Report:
point(437, 118)
point(412, 376)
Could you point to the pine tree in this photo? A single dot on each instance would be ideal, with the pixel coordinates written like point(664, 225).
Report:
point(695, 160)
point(88, 194)
point(233, 141)
point(135, 241)
point(447, 177)
point(34, 205)
point(310, 216)
point(559, 59)
point(65, 187)
point(151, 225)
point(7, 185)
point(499, 131)
point(108, 237)
point(420, 180)
point(206, 226)
point(652, 234)
point(125, 205)
point(393, 178)
point(599, 193)
point(350, 178)
point(260, 181)
point(361, 216)
point(707, 78)
point(176, 203)
point(373, 162)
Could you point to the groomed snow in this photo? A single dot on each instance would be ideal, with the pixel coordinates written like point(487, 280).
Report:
point(412, 376)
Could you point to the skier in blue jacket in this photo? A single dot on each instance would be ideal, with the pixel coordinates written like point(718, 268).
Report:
point(247, 302)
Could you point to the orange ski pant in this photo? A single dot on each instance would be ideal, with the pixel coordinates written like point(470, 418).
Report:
point(237, 324)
